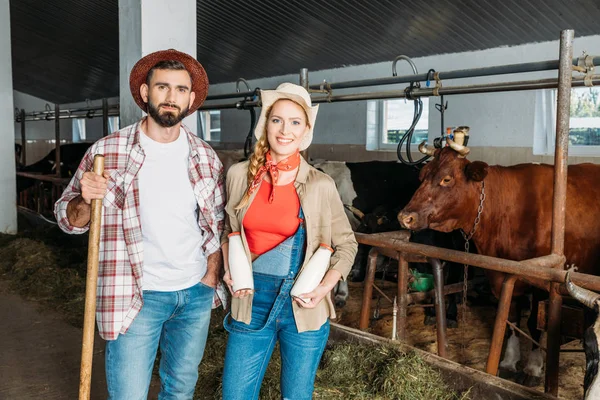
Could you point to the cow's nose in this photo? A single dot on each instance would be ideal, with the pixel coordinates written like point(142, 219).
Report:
point(407, 219)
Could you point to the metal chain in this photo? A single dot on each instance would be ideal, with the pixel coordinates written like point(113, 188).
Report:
point(463, 318)
point(478, 218)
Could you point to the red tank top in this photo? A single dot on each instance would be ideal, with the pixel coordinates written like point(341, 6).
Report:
point(268, 224)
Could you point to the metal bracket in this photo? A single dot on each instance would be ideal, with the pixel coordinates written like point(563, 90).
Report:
point(438, 84)
point(585, 65)
point(325, 88)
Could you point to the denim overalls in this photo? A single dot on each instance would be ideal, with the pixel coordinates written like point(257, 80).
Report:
point(249, 347)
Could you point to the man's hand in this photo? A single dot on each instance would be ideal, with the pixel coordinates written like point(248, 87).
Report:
point(93, 186)
point(213, 269)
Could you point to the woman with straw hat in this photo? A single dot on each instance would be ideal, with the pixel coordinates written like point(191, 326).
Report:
point(287, 214)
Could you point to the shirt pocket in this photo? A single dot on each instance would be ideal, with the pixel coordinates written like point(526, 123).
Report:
point(115, 194)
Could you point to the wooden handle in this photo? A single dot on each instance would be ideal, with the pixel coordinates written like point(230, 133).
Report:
point(89, 318)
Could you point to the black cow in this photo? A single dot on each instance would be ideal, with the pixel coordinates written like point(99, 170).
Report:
point(374, 192)
point(70, 157)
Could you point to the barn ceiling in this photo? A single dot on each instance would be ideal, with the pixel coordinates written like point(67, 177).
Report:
point(68, 50)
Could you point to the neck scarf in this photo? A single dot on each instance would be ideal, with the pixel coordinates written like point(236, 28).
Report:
point(287, 164)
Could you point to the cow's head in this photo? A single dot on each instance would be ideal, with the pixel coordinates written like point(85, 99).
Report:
point(448, 197)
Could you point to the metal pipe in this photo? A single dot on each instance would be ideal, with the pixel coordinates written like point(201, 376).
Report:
point(539, 267)
point(536, 66)
point(559, 204)
point(304, 78)
point(230, 95)
point(533, 267)
point(105, 131)
point(536, 84)
point(57, 140)
point(440, 306)
point(304, 84)
point(402, 297)
point(70, 110)
point(365, 311)
point(500, 325)
point(23, 139)
point(71, 116)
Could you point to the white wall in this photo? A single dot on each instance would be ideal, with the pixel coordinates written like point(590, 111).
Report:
point(36, 130)
point(496, 119)
point(147, 26)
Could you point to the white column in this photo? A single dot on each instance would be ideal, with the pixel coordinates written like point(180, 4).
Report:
point(8, 190)
point(146, 26)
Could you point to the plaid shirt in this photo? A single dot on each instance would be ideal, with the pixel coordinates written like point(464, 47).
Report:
point(119, 294)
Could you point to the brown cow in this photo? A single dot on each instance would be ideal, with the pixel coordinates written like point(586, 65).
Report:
point(515, 222)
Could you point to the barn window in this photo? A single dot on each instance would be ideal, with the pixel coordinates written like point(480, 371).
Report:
point(584, 125)
point(210, 125)
point(79, 133)
point(388, 121)
point(113, 124)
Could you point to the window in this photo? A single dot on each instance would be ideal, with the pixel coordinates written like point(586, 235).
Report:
point(78, 130)
point(210, 125)
point(584, 124)
point(113, 124)
point(388, 121)
point(584, 127)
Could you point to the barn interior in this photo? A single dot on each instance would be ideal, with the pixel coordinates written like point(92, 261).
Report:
point(74, 57)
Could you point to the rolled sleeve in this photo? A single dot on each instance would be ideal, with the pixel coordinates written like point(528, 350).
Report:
point(213, 243)
point(72, 191)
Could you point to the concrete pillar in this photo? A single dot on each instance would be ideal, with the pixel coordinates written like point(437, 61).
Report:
point(146, 26)
point(8, 192)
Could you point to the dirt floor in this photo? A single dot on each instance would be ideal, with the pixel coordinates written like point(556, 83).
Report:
point(41, 353)
point(468, 346)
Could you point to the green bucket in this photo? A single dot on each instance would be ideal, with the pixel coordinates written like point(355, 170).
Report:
point(422, 282)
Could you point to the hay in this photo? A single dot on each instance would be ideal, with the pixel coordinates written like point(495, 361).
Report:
point(347, 370)
point(361, 371)
point(49, 267)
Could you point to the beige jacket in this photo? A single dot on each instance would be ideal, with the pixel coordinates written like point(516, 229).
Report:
point(325, 220)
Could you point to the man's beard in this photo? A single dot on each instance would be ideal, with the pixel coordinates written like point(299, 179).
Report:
point(167, 119)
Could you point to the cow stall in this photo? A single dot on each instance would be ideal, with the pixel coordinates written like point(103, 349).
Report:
point(40, 184)
point(546, 272)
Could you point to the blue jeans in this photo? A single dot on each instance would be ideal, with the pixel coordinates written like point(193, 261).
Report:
point(177, 322)
point(248, 352)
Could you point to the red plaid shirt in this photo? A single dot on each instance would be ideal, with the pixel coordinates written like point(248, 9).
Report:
point(119, 295)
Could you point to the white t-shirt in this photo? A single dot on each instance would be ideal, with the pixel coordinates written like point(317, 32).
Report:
point(173, 256)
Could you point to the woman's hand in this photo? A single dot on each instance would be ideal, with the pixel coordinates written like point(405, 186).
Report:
point(313, 298)
point(229, 282)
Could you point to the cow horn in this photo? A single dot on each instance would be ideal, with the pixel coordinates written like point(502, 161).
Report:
point(359, 214)
point(426, 150)
point(459, 148)
point(585, 296)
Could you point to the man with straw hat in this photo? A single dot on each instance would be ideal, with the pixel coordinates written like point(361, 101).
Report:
point(163, 199)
